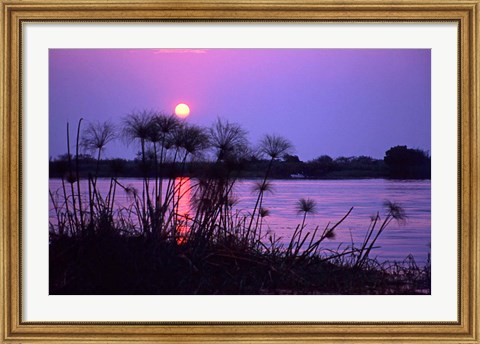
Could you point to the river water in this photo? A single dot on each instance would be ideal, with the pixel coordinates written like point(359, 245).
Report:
point(334, 198)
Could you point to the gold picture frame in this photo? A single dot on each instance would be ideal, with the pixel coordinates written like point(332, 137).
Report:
point(465, 13)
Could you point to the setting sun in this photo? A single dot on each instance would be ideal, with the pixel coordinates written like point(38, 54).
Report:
point(182, 110)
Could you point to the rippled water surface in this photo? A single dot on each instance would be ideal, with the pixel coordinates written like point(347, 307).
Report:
point(334, 198)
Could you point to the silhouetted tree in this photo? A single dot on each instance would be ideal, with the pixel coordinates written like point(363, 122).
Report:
point(324, 159)
point(291, 158)
point(406, 162)
point(320, 166)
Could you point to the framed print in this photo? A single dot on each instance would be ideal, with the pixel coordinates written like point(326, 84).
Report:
point(241, 172)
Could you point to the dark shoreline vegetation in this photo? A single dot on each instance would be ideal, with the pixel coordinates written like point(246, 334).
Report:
point(150, 247)
point(400, 162)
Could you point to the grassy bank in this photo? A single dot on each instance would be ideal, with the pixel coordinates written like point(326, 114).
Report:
point(134, 265)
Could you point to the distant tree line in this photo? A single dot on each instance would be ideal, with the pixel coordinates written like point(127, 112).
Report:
point(400, 162)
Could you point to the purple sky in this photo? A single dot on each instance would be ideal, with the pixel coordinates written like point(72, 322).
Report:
point(340, 102)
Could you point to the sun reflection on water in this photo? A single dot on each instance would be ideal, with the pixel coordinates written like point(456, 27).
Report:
point(183, 189)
